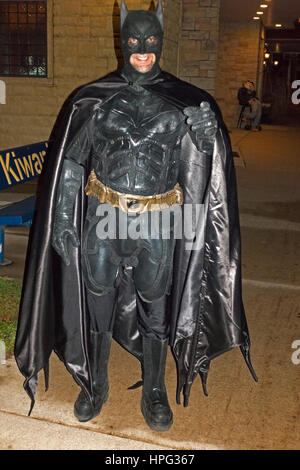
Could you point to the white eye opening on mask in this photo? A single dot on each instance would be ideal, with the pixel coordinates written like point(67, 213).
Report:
point(132, 42)
point(152, 40)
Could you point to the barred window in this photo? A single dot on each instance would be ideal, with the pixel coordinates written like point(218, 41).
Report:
point(23, 38)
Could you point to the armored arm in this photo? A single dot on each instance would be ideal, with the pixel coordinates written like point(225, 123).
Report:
point(69, 184)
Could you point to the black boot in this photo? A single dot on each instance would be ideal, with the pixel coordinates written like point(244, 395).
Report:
point(155, 406)
point(99, 354)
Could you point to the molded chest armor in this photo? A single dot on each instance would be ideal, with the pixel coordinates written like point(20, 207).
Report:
point(136, 143)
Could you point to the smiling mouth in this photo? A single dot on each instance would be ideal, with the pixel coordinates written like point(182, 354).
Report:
point(143, 58)
point(143, 62)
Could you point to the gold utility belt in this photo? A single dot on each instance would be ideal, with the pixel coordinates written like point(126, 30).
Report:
point(131, 203)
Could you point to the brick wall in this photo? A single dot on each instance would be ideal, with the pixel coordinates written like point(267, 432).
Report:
point(199, 42)
point(238, 61)
point(85, 45)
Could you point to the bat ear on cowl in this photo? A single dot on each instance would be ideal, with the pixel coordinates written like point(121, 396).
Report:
point(123, 13)
point(160, 14)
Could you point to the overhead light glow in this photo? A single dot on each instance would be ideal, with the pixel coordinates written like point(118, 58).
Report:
point(259, 12)
point(263, 5)
point(256, 17)
point(267, 55)
point(276, 62)
point(278, 25)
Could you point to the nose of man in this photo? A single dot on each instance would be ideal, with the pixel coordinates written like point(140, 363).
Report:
point(143, 48)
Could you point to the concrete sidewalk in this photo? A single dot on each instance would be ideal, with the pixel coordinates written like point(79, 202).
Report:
point(238, 414)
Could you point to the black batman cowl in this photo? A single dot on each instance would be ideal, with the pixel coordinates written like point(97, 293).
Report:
point(140, 25)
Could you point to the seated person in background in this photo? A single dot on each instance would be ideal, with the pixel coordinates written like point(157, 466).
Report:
point(247, 97)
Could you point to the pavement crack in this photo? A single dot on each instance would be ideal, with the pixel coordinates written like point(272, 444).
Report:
point(270, 284)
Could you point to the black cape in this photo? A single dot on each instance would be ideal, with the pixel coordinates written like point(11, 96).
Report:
point(206, 308)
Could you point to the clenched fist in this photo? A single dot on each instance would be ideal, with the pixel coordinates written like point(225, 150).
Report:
point(203, 123)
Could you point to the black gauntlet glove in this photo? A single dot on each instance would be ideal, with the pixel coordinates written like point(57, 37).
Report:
point(202, 121)
point(69, 184)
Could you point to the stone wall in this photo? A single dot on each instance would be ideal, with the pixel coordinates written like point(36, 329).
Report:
point(199, 42)
point(83, 39)
point(170, 55)
point(239, 58)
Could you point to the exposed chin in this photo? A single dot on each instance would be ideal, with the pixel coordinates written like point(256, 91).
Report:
point(143, 69)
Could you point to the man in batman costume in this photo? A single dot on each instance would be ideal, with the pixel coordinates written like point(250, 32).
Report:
point(139, 141)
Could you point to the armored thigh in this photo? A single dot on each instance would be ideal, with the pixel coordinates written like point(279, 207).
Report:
point(100, 263)
point(153, 274)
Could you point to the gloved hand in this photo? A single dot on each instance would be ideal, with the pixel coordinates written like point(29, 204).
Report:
point(203, 123)
point(63, 227)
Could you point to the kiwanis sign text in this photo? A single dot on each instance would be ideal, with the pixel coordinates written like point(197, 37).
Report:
point(21, 164)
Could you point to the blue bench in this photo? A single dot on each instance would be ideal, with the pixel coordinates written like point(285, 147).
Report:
point(16, 214)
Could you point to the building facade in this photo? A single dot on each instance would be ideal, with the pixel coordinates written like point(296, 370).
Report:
point(72, 42)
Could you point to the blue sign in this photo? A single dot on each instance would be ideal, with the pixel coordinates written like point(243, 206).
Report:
point(21, 164)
